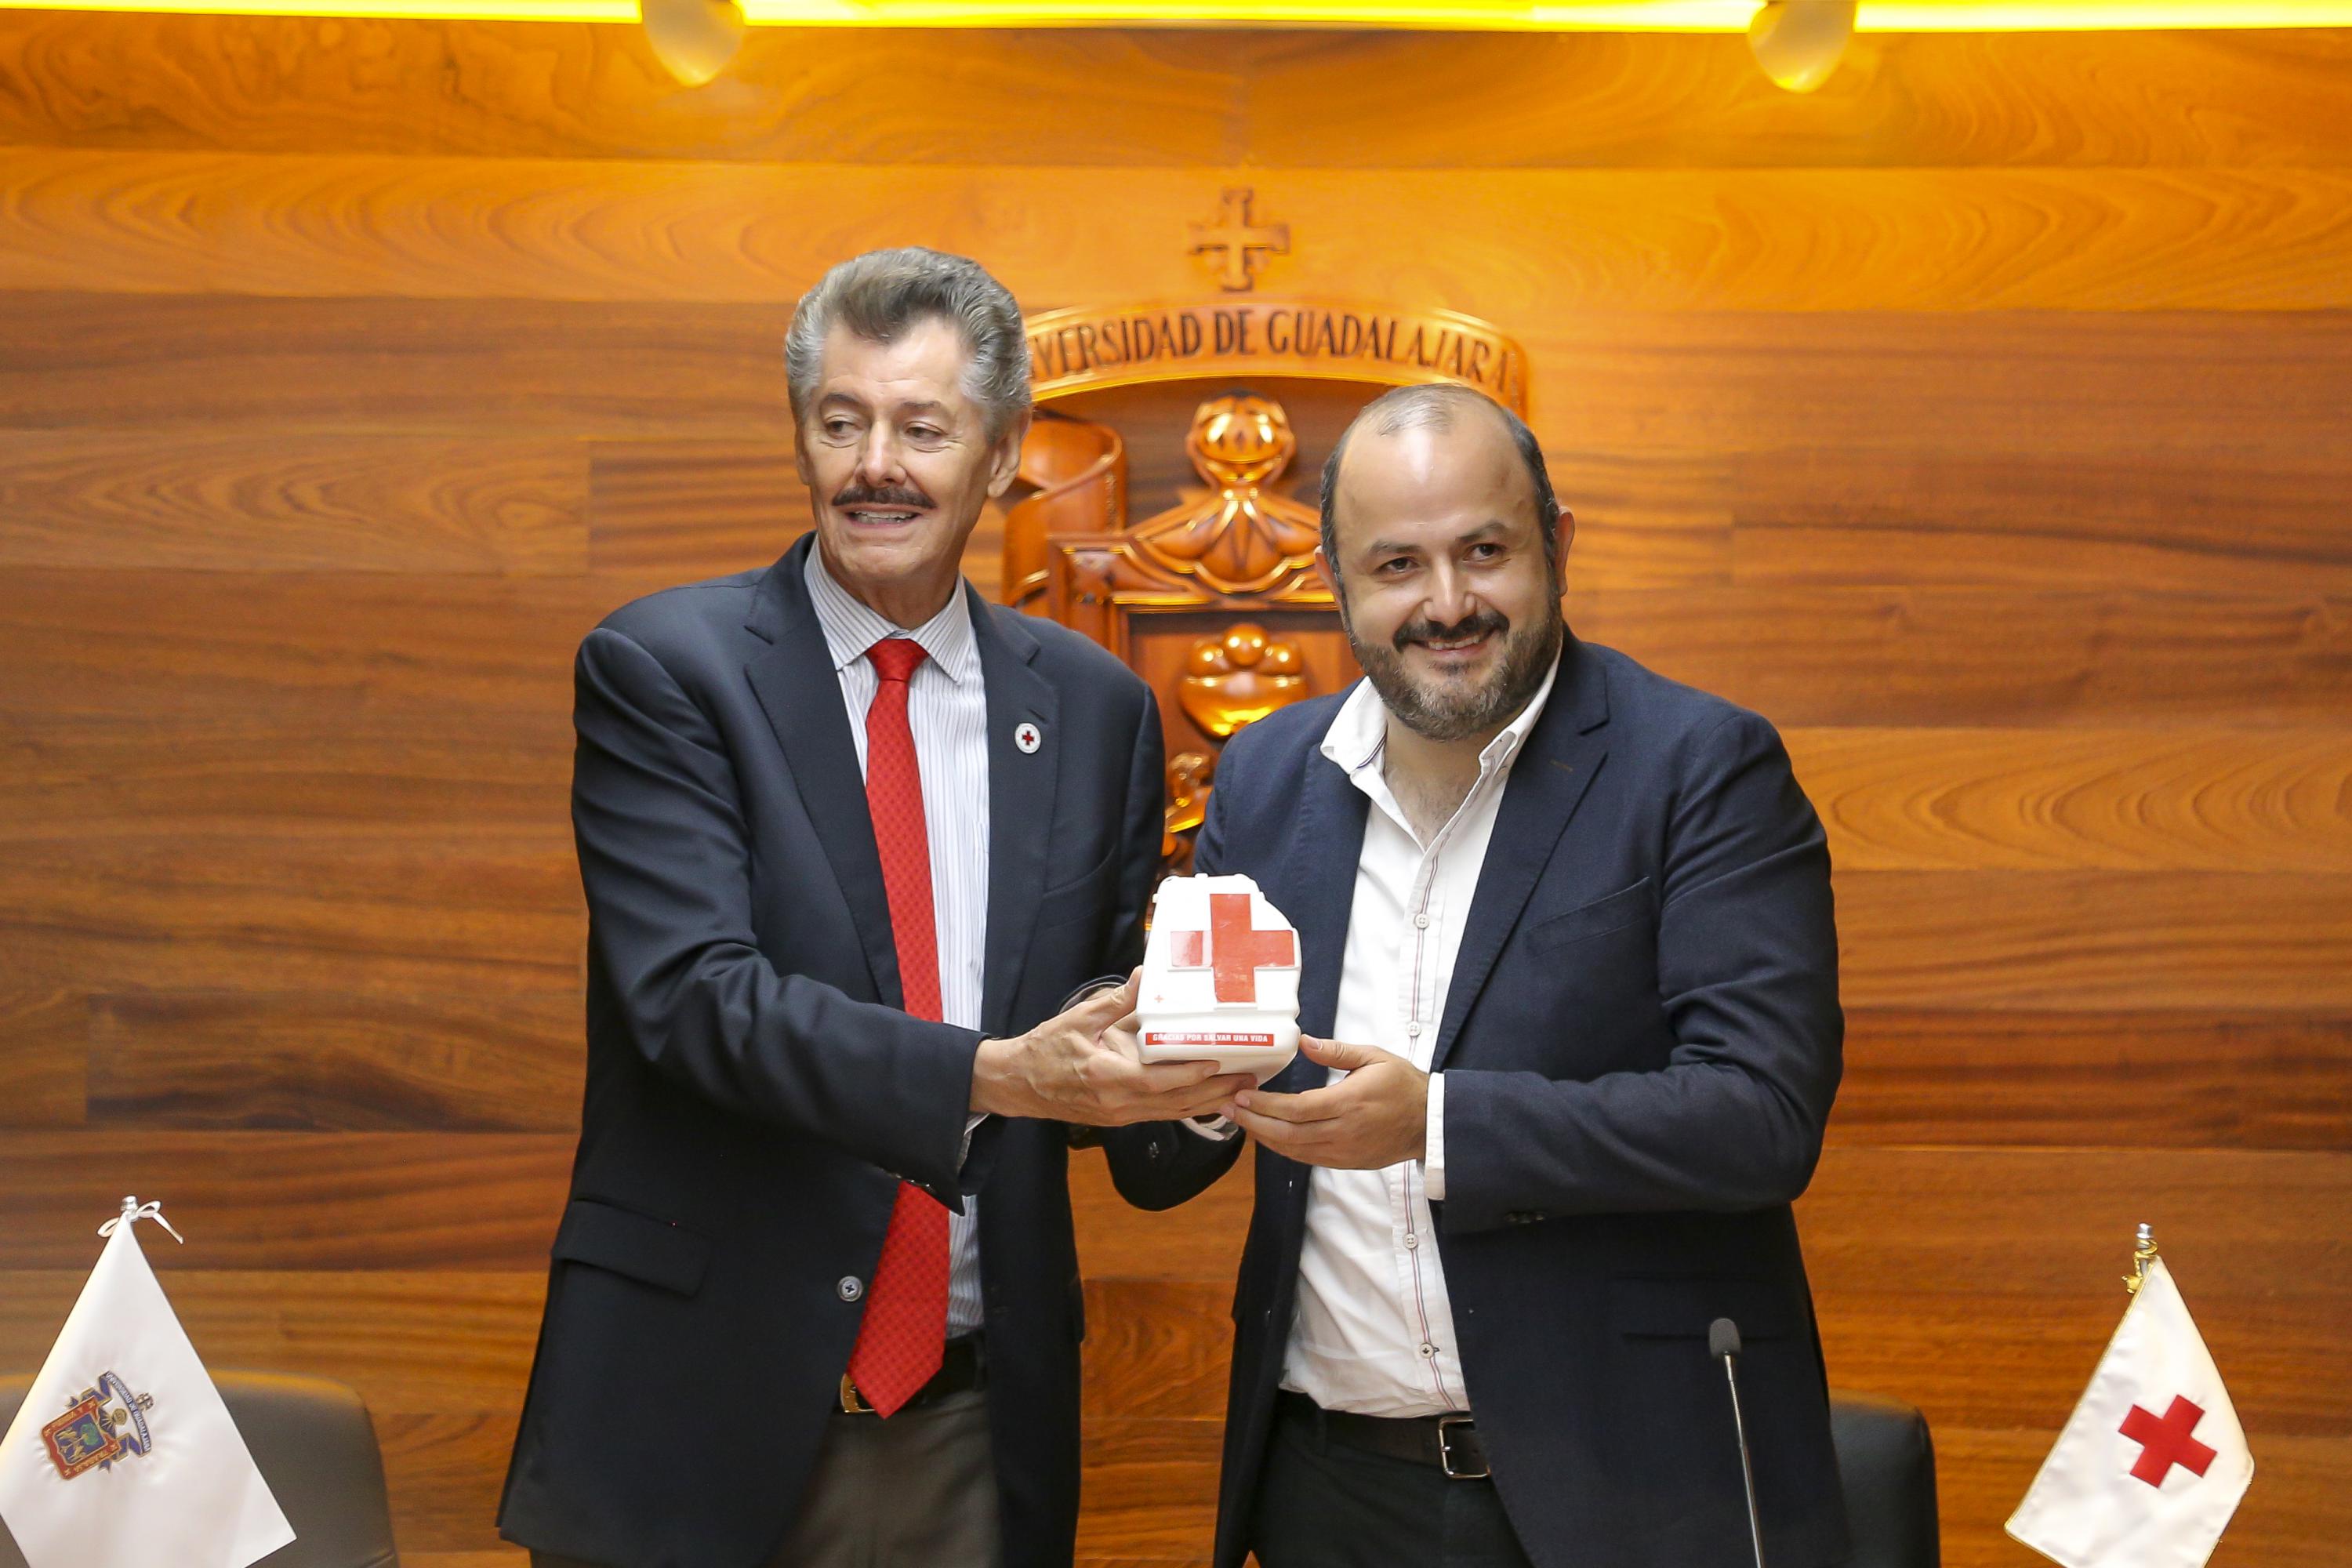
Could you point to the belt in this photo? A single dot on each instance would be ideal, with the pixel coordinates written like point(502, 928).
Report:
point(962, 1368)
point(1450, 1442)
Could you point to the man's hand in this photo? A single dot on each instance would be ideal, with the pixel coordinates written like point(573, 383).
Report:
point(1375, 1117)
point(1082, 1066)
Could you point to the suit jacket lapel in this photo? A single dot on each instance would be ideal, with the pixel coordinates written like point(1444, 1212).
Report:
point(1562, 755)
point(1316, 889)
point(793, 679)
point(1020, 799)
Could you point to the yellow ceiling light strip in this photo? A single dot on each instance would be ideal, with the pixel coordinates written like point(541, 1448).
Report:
point(1454, 15)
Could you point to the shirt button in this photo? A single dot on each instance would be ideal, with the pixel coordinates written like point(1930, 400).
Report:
point(1412, 1031)
point(1421, 923)
point(851, 1288)
point(1411, 1240)
point(1428, 1349)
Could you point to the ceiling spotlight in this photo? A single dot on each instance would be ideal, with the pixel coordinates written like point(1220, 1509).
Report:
point(694, 39)
point(1800, 42)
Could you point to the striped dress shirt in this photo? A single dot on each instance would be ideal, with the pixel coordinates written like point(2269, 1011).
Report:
point(947, 708)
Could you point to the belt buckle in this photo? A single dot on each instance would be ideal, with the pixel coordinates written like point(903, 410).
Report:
point(1446, 1427)
point(852, 1402)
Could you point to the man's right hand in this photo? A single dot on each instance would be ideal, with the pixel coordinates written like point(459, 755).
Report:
point(1081, 1067)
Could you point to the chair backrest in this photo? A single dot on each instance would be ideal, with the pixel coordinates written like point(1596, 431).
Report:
point(316, 1447)
point(1887, 1464)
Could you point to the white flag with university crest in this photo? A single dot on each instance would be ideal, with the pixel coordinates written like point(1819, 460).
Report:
point(123, 1455)
point(2152, 1463)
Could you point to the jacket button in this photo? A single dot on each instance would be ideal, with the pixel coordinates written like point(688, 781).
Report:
point(850, 1288)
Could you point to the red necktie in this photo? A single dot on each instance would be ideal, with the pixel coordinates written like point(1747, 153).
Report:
point(903, 1336)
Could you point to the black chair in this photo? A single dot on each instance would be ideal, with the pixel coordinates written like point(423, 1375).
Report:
point(1887, 1463)
point(316, 1447)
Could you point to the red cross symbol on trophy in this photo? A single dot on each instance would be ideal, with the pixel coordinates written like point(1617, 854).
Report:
point(2166, 1443)
point(1232, 947)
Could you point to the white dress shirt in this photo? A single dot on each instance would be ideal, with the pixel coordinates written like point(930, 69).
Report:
point(1373, 1330)
point(947, 708)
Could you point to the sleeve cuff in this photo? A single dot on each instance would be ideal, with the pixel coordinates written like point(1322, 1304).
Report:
point(1433, 1155)
point(1216, 1129)
point(970, 1125)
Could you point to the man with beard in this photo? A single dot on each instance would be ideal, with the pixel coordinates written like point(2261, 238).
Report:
point(1569, 984)
point(850, 838)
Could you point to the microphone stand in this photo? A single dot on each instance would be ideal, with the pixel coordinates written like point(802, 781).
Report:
point(1723, 1342)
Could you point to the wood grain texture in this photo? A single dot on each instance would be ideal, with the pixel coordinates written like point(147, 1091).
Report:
point(2016, 1254)
point(445, 1474)
point(1201, 1240)
point(521, 90)
point(484, 662)
point(1647, 239)
point(263, 1201)
point(43, 1050)
point(1158, 1347)
point(1924, 657)
point(700, 509)
point(444, 1342)
point(1681, 381)
point(2119, 1079)
point(1435, 100)
point(1155, 97)
point(1149, 1488)
point(2172, 799)
point(2084, 941)
point(337, 1061)
point(325, 912)
point(2294, 1516)
point(2202, 519)
point(260, 503)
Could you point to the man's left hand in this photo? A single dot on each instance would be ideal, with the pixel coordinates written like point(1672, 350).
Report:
point(1375, 1117)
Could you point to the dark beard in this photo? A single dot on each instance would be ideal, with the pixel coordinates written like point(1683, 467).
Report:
point(1438, 713)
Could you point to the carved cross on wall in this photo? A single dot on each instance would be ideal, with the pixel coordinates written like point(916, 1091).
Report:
point(1236, 243)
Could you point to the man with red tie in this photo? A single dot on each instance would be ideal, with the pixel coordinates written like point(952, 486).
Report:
point(851, 840)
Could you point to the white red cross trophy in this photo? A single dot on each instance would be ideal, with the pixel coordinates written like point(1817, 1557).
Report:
point(1219, 978)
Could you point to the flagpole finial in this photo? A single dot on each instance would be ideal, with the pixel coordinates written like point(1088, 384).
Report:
point(134, 1211)
point(2143, 1254)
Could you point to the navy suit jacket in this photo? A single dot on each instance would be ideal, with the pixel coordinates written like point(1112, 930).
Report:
point(1640, 1045)
point(754, 1090)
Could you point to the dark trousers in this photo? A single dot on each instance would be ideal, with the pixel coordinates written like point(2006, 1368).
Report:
point(917, 1490)
point(1321, 1504)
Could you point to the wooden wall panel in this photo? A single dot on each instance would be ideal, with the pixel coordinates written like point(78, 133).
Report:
point(43, 1067)
point(1967, 382)
point(1589, 239)
point(2084, 941)
point(2130, 1079)
point(332, 1061)
point(1976, 418)
point(1160, 98)
point(2120, 800)
point(260, 502)
point(273, 1201)
point(2202, 519)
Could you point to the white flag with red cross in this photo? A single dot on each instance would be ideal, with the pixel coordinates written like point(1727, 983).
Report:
point(2152, 1463)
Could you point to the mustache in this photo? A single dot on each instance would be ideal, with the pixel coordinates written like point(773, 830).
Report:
point(858, 493)
point(1477, 624)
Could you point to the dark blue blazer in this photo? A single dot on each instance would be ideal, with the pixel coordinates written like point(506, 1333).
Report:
point(1640, 1045)
point(753, 1085)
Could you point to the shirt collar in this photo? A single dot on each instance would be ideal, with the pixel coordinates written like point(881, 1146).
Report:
point(1359, 730)
point(851, 627)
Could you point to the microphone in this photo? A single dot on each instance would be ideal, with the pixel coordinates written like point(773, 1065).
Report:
point(1723, 1345)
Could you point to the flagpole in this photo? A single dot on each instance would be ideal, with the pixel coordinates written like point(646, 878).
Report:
point(2143, 1254)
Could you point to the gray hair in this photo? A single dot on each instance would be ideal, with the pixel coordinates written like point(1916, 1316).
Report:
point(1433, 407)
point(883, 293)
